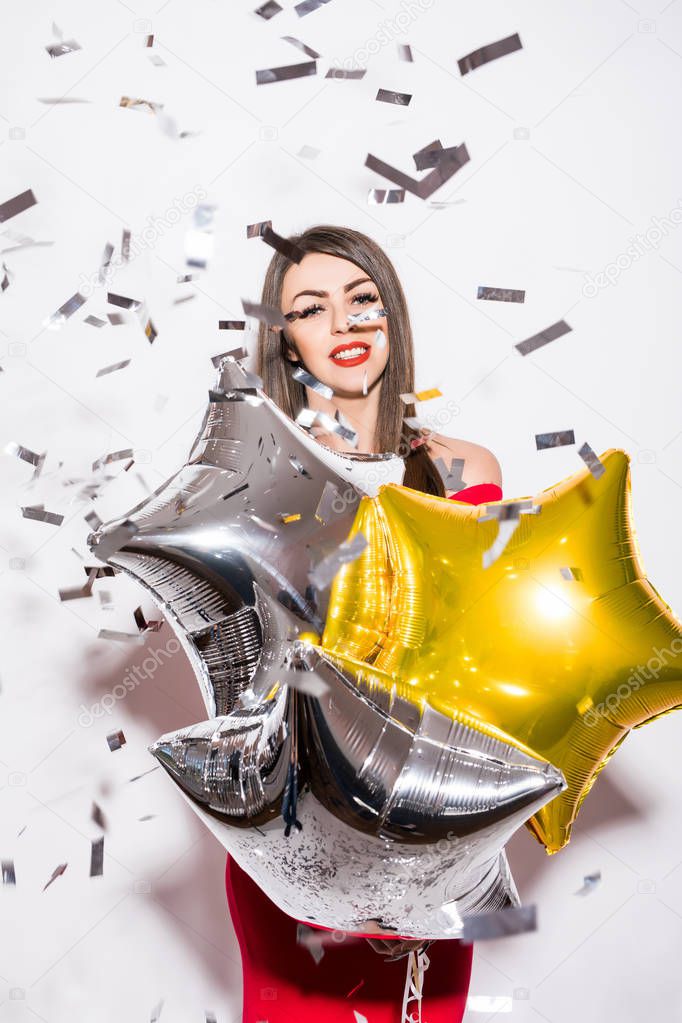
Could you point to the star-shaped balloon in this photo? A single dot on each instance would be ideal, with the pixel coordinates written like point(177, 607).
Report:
point(556, 638)
point(350, 805)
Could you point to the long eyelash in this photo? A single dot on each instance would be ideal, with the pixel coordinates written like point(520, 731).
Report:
point(363, 298)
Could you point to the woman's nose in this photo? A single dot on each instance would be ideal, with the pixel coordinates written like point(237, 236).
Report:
point(339, 319)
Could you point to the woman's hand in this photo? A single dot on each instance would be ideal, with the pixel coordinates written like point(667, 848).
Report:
point(393, 949)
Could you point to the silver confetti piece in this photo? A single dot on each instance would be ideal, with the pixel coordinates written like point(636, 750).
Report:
point(511, 920)
point(268, 10)
point(231, 324)
point(308, 6)
point(199, 239)
point(591, 460)
point(405, 52)
point(427, 156)
point(283, 245)
point(265, 313)
point(97, 857)
point(234, 353)
point(55, 321)
point(57, 872)
point(446, 168)
point(95, 321)
point(256, 230)
point(113, 368)
point(122, 637)
point(400, 99)
point(115, 740)
point(558, 439)
point(286, 72)
point(117, 319)
point(493, 51)
point(156, 1012)
point(501, 294)
point(543, 338)
point(26, 455)
point(383, 196)
point(8, 875)
point(60, 48)
point(571, 574)
point(367, 316)
point(380, 339)
point(309, 152)
point(323, 573)
point(309, 52)
point(590, 882)
point(346, 75)
point(308, 380)
point(452, 477)
point(105, 262)
point(310, 938)
point(123, 301)
point(324, 511)
point(39, 514)
point(125, 246)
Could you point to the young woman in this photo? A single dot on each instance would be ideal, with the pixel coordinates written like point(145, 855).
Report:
point(368, 364)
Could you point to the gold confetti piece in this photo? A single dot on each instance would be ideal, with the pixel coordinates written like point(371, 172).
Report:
point(112, 368)
point(286, 72)
point(8, 875)
point(55, 321)
point(409, 397)
point(501, 294)
point(400, 99)
point(493, 51)
point(591, 460)
point(150, 330)
point(97, 857)
point(554, 440)
point(268, 10)
point(287, 519)
point(38, 513)
point(301, 46)
point(405, 52)
point(134, 104)
point(57, 872)
point(256, 230)
point(500, 924)
point(556, 330)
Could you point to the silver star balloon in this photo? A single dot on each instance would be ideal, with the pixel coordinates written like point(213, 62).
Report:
point(349, 806)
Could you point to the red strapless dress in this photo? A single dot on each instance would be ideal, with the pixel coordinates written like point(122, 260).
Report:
point(283, 984)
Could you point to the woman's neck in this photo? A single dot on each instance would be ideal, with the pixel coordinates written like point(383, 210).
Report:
point(361, 412)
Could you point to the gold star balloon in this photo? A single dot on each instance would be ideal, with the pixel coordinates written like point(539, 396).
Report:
point(530, 618)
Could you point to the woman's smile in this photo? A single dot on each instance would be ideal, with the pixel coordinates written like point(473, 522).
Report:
point(351, 353)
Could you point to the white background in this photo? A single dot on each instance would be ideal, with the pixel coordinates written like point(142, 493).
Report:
point(574, 145)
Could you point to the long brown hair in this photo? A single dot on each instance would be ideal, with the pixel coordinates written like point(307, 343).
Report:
point(391, 434)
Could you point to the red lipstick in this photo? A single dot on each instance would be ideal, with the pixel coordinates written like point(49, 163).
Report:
point(354, 360)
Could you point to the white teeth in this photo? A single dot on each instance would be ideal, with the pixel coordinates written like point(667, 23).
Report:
point(349, 353)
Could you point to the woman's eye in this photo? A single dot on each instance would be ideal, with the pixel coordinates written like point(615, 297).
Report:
point(309, 310)
point(365, 297)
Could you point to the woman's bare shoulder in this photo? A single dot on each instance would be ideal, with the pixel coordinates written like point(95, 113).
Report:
point(480, 464)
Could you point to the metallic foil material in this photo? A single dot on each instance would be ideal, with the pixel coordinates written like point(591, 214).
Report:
point(311, 381)
point(283, 245)
point(556, 330)
point(367, 316)
point(445, 169)
point(115, 740)
point(285, 73)
point(38, 513)
point(396, 813)
point(511, 920)
point(266, 313)
point(493, 51)
point(452, 477)
point(591, 460)
point(97, 857)
point(268, 10)
point(231, 324)
point(400, 99)
point(345, 74)
point(381, 196)
point(558, 439)
point(308, 6)
point(57, 872)
point(308, 50)
point(405, 52)
point(113, 368)
point(501, 294)
point(199, 240)
point(55, 321)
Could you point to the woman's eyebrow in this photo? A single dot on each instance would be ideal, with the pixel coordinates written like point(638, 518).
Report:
point(325, 294)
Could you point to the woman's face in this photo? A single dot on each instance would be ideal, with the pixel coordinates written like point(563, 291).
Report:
point(324, 290)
